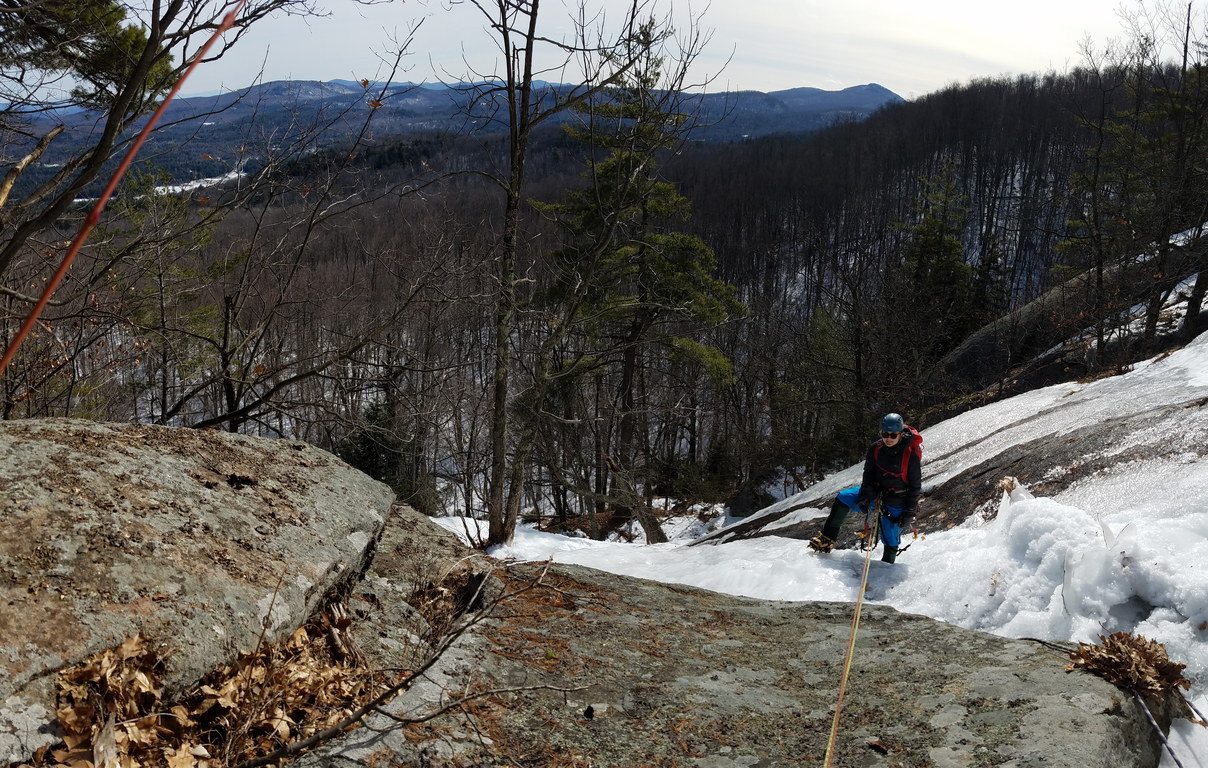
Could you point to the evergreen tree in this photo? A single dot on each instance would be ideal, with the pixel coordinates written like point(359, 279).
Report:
point(930, 300)
point(85, 42)
point(635, 284)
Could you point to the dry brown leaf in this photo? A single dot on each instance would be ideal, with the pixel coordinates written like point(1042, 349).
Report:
point(142, 681)
point(181, 758)
point(73, 691)
point(73, 756)
point(196, 750)
point(140, 733)
point(77, 724)
point(1132, 662)
point(279, 723)
point(274, 694)
point(226, 698)
point(132, 648)
point(104, 745)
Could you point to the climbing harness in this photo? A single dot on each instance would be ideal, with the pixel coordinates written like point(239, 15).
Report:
point(868, 539)
point(851, 647)
point(866, 542)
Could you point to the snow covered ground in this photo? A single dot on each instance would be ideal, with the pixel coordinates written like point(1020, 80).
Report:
point(1123, 550)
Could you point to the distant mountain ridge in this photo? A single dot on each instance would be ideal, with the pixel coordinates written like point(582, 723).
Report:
point(747, 114)
point(207, 136)
point(410, 107)
point(860, 97)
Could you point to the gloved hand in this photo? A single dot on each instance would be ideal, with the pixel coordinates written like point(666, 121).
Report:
point(864, 502)
point(907, 522)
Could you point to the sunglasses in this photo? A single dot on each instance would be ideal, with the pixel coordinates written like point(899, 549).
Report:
point(890, 435)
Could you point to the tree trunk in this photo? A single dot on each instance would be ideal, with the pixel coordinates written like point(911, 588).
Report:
point(501, 521)
point(1192, 325)
point(630, 505)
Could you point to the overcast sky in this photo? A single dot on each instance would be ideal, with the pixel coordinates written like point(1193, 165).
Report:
point(912, 48)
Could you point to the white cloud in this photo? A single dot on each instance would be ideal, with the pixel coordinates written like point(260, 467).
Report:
point(910, 48)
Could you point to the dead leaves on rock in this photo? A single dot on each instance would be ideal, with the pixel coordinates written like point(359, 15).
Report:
point(113, 716)
point(1131, 662)
point(113, 686)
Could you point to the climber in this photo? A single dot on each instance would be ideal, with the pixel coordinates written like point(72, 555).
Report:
point(892, 475)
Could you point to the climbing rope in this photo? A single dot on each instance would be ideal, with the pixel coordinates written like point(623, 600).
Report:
point(1157, 729)
point(851, 645)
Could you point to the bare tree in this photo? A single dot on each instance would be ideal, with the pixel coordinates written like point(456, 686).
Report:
point(515, 98)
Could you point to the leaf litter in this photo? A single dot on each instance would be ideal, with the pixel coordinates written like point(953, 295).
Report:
point(113, 715)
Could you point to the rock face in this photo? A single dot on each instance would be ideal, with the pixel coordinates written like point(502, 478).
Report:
point(1158, 432)
point(986, 364)
point(612, 671)
point(201, 541)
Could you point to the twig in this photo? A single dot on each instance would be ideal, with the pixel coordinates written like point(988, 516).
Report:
point(1201, 720)
point(472, 697)
point(1064, 649)
point(10, 178)
point(259, 694)
point(374, 705)
point(91, 221)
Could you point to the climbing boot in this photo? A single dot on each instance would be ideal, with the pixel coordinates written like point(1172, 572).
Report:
point(834, 522)
point(821, 543)
point(889, 555)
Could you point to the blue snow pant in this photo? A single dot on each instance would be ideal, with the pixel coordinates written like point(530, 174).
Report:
point(891, 516)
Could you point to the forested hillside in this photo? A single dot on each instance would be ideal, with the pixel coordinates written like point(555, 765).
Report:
point(869, 252)
point(591, 305)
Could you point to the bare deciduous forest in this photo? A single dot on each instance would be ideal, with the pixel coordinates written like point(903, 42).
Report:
point(576, 306)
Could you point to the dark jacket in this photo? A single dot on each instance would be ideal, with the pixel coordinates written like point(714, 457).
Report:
point(883, 477)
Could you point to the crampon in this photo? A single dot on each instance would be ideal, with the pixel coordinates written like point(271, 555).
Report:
point(821, 543)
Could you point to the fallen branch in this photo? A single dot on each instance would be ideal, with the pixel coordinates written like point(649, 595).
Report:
point(374, 706)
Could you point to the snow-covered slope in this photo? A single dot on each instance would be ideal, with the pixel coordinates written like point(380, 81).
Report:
point(1122, 545)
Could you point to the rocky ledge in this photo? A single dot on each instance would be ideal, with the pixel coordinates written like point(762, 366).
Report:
point(595, 669)
point(209, 544)
point(205, 543)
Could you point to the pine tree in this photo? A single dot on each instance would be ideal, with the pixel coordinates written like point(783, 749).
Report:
point(635, 283)
point(930, 301)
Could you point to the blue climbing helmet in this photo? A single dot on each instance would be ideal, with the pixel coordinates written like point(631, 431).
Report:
point(892, 423)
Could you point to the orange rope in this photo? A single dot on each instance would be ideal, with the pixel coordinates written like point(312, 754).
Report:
point(227, 22)
point(851, 644)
